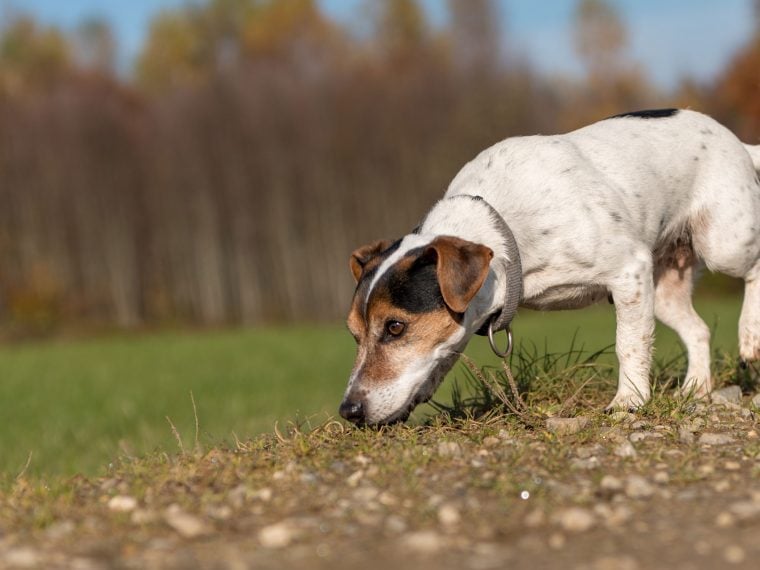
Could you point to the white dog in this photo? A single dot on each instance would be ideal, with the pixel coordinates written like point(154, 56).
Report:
point(627, 209)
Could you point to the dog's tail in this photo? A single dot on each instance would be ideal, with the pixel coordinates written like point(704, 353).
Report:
point(754, 153)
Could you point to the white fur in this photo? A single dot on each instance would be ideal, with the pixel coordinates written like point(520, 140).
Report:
point(590, 210)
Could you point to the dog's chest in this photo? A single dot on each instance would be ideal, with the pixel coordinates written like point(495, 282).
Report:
point(563, 297)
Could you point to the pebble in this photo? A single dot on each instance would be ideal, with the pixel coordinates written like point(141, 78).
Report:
point(424, 542)
point(448, 515)
point(534, 519)
point(611, 484)
point(566, 426)
point(395, 524)
point(490, 441)
point(622, 562)
point(636, 487)
point(278, 535)
point(734, 554)
point(727, 395)
point(756, 400)
point(186, 525)
point(685, 435)
point(661, 477)
point(585, 464)
point(449, 449)
point(122, 504)
point(575, 519)
point(745, 511)
point(625, 449)
point(642, 435)
point(624, 417)
point(22, 557)
point(709, 438)
point(355, 477)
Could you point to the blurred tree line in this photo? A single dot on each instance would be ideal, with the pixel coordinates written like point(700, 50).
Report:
point(258, 142)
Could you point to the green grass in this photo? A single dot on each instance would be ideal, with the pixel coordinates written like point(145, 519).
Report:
point(76, 405)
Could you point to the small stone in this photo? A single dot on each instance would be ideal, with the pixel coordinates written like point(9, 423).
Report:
point(424, 542)
point(395, 524)
point(613, 515)
point(745, 511)
point(732, 466)
point(724, 520)
point(636, 487)
point(449, 449)
point(625, 449)
point(22, 557)
point(756, 401)
point(639, 424)
point(566, 426)
point(557, 541)
point(642, 435)
point(264, 494)
point(611, 484)
point(585, 464)
point(727, 395)
point(734, 554)
point(365, 494)
point(621, 562)
point(685, 436)
point(143, 516)
point(661, 477)
point(122, 504)
point(575, 519)
point(534, 519)
point(186, 525)
point(448, 515)
point(709, 438)
point(355, 477)
point(278, 535)
point(491, 441)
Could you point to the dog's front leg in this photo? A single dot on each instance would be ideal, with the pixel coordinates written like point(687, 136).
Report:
point(632, 290)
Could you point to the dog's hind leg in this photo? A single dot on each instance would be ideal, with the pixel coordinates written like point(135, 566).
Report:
point(749, 322)
point(632, 289)
point(674, 278)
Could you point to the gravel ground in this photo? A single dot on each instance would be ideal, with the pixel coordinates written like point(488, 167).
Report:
point(679, 489)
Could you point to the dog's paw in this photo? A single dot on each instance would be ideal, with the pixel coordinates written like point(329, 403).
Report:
point(696, 389)
point(625, 403)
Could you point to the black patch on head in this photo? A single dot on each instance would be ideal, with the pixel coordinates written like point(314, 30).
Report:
point(647, 114)
point(415, 290)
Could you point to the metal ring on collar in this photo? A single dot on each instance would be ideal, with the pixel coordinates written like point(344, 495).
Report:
point(491, 341)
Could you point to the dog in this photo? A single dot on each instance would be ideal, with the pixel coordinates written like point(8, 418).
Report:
point(626, 209)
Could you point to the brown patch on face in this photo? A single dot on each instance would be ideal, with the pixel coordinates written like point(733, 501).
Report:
point(382, 357)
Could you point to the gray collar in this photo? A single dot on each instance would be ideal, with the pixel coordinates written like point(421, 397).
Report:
point(512, 268)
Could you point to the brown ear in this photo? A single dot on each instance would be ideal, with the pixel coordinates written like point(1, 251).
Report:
point(462, 267)
point(362, 256)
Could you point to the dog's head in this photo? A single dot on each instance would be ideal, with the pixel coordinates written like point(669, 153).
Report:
point(408, 317)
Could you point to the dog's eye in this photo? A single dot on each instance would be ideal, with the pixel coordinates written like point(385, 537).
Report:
point(394, 328)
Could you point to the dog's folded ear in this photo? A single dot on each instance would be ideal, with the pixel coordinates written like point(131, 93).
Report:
point(461, 266)
point(361, 257)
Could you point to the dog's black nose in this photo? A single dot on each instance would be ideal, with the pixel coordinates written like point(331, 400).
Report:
point(353, 411)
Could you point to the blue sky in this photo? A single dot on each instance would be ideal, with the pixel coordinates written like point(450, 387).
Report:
point(669, 38)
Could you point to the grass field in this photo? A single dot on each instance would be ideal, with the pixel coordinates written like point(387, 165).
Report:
point(76, 405)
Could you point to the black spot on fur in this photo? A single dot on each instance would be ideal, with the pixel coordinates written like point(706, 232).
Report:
point(616, 217)
point(415, 290)
point(648, 114)
point(703, 146)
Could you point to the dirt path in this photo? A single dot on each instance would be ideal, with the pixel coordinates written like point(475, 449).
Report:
point(679, 489)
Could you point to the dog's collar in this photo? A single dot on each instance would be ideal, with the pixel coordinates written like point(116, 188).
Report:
point(513, 279)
